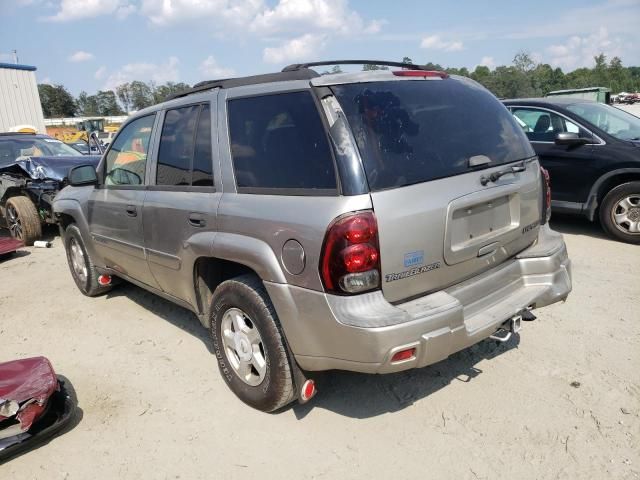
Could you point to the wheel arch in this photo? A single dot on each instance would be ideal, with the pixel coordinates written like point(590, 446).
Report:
point(232, 255)
point(604, 184)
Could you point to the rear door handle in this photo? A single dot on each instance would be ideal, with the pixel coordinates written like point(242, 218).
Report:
point(132, 211)
point(196, 220)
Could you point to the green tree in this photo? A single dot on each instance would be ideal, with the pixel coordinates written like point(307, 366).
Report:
point(407, 60)
point(123, 92)
point(87, 104)
point(335, 69)
point(161, 92)
point(107, 103)
point(369, 68)
point(56, 101)
point(141, 95)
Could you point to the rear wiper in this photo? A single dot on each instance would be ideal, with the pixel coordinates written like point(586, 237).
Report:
point(520, 167)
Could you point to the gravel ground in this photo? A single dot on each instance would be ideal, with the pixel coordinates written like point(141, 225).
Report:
point(561, 400)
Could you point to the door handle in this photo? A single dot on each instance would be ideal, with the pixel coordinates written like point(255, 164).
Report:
point(132, 211)
point(196, 220)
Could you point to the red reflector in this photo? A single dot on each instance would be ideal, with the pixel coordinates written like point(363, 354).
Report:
point(308, 390)
point(403, 355)
point(104, 280)
point(420, 73)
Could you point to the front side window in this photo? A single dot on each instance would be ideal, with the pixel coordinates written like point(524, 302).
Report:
point(543, 125)
point(278, 142)
point(127, 159)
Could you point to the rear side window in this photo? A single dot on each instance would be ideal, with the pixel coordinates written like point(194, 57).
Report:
point(419, 130)
point(176, 146)
point(127, 158)
point(184, 156)
point(279, 142)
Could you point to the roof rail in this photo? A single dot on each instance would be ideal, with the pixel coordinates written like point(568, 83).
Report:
point(299, 66)
point(298, 74)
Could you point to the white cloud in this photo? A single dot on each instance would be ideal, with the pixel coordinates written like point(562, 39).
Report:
point(435, 42)
point(78, 9)
point(488, 62)
point(80, 56)
point(579, 51)
point(217, 12)
point(158, 73)
point(210, 68)
point(100, 73)
point(46, 81)
point(300, 48)
point(316, 15)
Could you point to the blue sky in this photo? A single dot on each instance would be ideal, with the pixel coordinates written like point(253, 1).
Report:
point(97, 44)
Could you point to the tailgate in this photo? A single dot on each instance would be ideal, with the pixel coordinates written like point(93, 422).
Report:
point(432, 237)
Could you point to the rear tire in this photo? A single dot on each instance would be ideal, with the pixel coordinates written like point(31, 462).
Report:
point(620, 212)
point(23, 219)
point(82, 269)
point(249, 344)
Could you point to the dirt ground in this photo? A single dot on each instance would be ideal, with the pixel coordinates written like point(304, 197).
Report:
point(562, 400)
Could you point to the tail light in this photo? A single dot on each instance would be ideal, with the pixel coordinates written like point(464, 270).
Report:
point(546, 196)
point(350, 261)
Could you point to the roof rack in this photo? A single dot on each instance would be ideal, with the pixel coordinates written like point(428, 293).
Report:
point(9, 134)
point(298, 74)
point(299, 66)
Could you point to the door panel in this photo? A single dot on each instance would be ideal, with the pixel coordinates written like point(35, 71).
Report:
point(115, 223)
point(168, 229)
point(562, 161)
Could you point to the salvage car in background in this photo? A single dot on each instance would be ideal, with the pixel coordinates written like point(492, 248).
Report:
point(592, 152)
point(33, 169)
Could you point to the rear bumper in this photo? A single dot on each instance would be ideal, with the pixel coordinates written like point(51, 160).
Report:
point(362, 333)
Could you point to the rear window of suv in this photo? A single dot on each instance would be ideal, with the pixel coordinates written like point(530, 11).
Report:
point(278, 142)
point(419, 130)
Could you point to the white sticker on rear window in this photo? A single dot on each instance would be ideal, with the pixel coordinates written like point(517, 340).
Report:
point(52, 140)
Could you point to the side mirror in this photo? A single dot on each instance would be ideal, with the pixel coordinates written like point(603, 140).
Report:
point(83, 175)
point(572, 139)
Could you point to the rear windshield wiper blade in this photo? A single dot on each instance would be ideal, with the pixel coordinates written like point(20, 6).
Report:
point(485, 179)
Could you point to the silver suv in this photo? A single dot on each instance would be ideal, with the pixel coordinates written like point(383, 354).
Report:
point(374, 221)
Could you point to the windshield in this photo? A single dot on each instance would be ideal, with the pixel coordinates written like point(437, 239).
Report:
point(614, 121)
point(419, 130)
point(13, 148)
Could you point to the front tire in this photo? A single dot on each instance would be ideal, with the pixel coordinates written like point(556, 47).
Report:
point(249, 344)
point(82, 269)
point(620, 212)
point(23, 220)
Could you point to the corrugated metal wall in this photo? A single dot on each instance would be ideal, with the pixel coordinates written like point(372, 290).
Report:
point(19, 100)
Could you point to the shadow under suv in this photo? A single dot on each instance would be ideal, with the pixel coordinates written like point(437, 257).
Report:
point(373, 221)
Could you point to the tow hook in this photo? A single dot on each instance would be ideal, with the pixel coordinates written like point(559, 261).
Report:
point(508, 328)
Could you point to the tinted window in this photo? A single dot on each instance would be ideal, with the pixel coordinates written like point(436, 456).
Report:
point(127, 158)
point(202, 161)
point(419, 130)
point(176, 146)
point(612, 120)
point(278, 141)
point(543, 125)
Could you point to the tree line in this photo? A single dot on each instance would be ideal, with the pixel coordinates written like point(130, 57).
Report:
point(58, 102)
point(523, 78)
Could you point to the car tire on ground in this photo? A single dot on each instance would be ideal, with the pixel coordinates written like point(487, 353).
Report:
point(23, 220)
point(249, 344)
point(82, 269)
point(620, 212)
